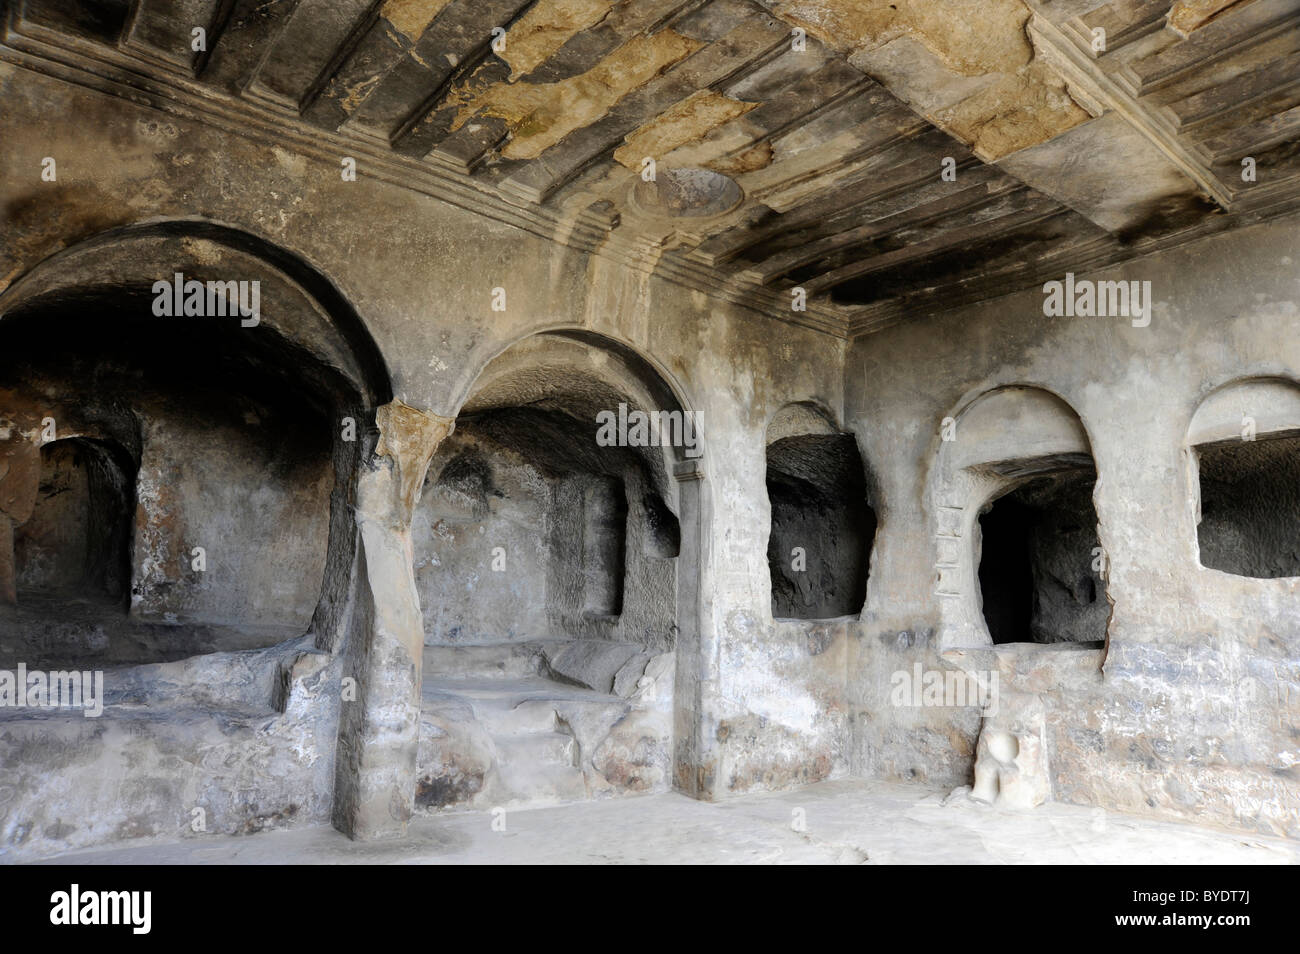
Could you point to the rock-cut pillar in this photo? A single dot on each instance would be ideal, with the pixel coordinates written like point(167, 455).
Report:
point(379, 728)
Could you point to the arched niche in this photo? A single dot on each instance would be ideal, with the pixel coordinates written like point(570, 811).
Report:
point(241, 435)
point(1243, 453)
point(1017, 557)
point(557, 552)
point(77, 543)
point(586, 532)
point(822, 524)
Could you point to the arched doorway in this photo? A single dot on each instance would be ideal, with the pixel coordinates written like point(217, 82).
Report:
point(227, 436)
point(556, 549)
point(1019, 566)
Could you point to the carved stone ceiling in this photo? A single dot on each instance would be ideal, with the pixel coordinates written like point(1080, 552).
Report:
point(795, 143)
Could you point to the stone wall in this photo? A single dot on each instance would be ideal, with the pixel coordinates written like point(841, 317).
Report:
point(477, 498)
point(1190, 710)
point(193, 454)
point(1156, 722)
point(760, 703)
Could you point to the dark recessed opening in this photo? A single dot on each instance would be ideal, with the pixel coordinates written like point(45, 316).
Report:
point(1250, 507)
point(193, 489)
point(531, 529)
point(663, 532)
point(604, 528)
point(822, 527)
point(76, 544)
point(1037, 578)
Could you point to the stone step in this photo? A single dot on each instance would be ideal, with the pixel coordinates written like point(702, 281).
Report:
point(486, 660)
point(521, 735)
point(533, 783)
point(538, 748)
point(600, 665)
point(520, 706)
point(505, 718)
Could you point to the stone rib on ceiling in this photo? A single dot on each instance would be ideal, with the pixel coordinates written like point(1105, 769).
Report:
point(834, 117)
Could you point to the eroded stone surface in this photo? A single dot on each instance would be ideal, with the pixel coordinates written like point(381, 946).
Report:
point(541, 114)
point(545, 28)
point(1186, 16)
point(1011, 767)
point(421, 683)
point(691, 119)
point(965, 64)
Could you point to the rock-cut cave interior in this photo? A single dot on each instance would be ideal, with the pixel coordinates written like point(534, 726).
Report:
point(641, 423)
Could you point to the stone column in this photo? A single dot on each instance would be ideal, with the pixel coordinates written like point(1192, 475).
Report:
point(695, 744)
point(379, 730)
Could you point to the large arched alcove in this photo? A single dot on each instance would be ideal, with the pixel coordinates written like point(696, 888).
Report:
point(1018, 557)
point(125, 376)
point(234, 444)
point(555, 557)
point(1244, 457)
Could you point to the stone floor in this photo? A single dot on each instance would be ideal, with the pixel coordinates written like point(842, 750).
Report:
point(844, 822)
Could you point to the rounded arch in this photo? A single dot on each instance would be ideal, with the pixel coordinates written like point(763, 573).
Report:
point(665, 389)
point(577, 408)
point(1011, 460)
point(550, 471)
point(76, 542)
point(593, 373)
point(302, 348)
point(1260, 404)
point(297, 301)
point(1242, 453)
point(800, 417)
point(1008, 421)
